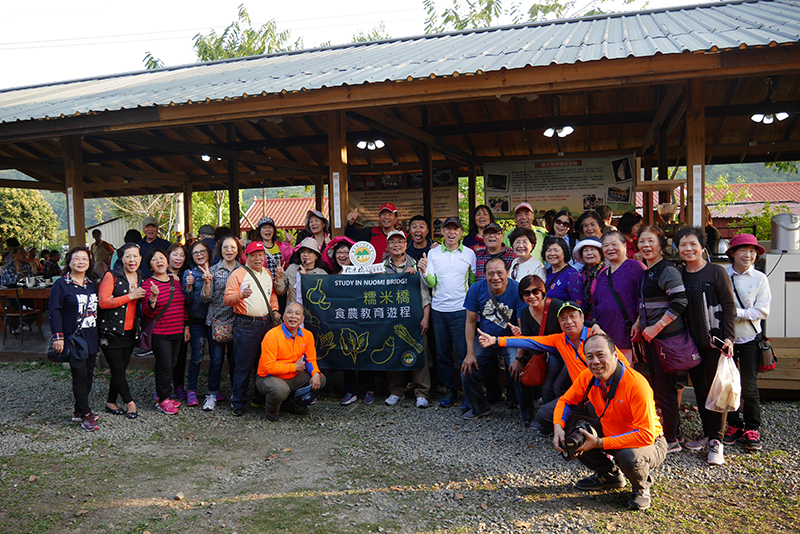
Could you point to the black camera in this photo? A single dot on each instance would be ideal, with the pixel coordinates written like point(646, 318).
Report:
point(575, 438)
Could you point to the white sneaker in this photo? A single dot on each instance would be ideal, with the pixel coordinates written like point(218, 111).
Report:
point(422, 402)
point(392, 400)
point(716, 454)
point(210, 403)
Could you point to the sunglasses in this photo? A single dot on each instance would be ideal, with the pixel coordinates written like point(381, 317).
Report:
point(561, 223)
point(531, 292)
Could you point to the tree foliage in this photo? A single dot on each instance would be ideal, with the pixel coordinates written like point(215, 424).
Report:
point(789, 167)
point(375, 34)
point(26, 215)
point(151, 62)
point(240, 39)
point(728, 195)
point(484, 13)
point(162, 207)
point(762, 220)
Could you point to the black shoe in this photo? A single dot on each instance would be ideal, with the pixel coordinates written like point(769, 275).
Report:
point(271, 416)
point(132, 415)
point(114, 411)
point(238, 411)
point(601, 481)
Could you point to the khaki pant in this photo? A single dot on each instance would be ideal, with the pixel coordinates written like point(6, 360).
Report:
point(276, 390)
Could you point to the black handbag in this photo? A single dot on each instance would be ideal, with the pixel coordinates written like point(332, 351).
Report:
point(767, 358)
point(146, 336)
point(76, 349)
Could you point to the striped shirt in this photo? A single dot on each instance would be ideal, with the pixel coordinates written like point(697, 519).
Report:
point(176, 316)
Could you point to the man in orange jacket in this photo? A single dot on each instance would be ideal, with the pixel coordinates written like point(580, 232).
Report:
point(630, 441)
point(288, 362)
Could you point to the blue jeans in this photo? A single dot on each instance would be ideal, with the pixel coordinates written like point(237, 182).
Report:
point(216, 353)
point(198, 333)
point(248, 332)
point(473, 389)
point(448, 329)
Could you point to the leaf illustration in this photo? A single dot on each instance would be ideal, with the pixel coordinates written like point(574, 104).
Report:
point(310, 319)
point(352, 344)
point(325, 343)
point(388, 344)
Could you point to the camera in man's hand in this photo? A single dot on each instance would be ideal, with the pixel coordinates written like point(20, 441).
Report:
point(575, 438)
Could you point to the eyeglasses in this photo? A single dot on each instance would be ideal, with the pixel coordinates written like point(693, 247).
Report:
point(561, 223)
point(531, 292)
point(198, 253)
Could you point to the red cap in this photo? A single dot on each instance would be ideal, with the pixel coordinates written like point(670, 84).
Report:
point(388, 206)
point(254, 246)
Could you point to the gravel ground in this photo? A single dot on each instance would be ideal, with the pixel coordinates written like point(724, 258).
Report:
point(394, 469)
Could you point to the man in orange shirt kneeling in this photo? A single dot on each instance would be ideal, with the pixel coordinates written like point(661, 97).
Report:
point(288, 363)
point(631, 442)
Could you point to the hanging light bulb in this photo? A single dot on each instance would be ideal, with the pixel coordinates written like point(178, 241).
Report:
point(781, 115)
point(371, 145)
point(205, 157)
point(757, 117)
point(550, 132)
point(362, 144)
point(565, 131)
point(379, 143)
point(768, 119)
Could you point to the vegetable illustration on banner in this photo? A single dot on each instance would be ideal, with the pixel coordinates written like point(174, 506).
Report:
point(365, 321)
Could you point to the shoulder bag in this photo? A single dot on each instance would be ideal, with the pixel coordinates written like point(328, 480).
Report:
point(676, 353)
point(263, 294)
point(146, 336)
point(535, 370)
point(767, 358)
point(638, 349)
point(76, 349)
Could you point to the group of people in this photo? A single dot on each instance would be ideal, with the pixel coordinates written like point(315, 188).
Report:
point(490, 301)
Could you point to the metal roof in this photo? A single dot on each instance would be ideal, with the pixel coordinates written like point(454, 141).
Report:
point(708, 27)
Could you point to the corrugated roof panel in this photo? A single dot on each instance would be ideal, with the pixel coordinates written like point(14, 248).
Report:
point(614, 36)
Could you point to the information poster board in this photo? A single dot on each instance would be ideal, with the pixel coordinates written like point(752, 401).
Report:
point(574, 184)
point(369, 192)
point(365, 322)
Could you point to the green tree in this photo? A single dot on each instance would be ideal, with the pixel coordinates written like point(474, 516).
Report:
point(727, 194)
point(762, 220)
point(162, 207)
point(789, 167)
point(240, 39)
point(485, 13)
point(26, 215)
point(375, 34)
point(463, 199)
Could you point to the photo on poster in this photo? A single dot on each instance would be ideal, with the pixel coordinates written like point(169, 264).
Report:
point(499, 204)
point(619, 194)
point(497, 182)
point(592, 202)
point(622, 170)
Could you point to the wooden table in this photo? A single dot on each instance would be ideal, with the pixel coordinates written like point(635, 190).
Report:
point(37, 295)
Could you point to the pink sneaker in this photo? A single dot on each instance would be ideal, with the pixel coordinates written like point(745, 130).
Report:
point(167, 406)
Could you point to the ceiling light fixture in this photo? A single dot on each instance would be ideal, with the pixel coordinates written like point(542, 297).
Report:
point(560, 132)
point(371, 144)
point(769, 118)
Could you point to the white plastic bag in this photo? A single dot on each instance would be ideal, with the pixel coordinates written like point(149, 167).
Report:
point(726, 390)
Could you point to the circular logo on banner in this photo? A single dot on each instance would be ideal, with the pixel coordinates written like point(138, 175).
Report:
point(362, 254)
point(409, 357)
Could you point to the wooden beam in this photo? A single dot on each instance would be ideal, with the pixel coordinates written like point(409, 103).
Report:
point(49, 164)
point(383, 121)
point(30, 184)
point(670, 98)
point(427, 175)
point(337, 165)
point(472, 188)
point(199, 149)
point(319, 190)
point(233, 185)
point(73, 171)
point(647, 203)
point(695, 152)
point(150, 176)
point(187, 207)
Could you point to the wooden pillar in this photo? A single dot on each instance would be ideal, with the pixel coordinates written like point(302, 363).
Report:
point(187, 207)
point(663, 164)
point(647, 194)
point(319, 190)
point(233, 185)
point(73, 172)
point(695, 152)
point(337, 165)
point(427, 185)
point(472, 190)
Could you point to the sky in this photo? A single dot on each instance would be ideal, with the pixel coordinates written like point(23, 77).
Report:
point(43, 41)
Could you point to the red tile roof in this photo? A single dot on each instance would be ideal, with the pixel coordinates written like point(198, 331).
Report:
point(772, 192)
point(288, 213)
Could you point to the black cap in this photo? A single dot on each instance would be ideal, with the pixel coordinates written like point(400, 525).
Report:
point(569, 305)
point(493, 226)
point(452, 220)
point(418, 218)
point(264, 221)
